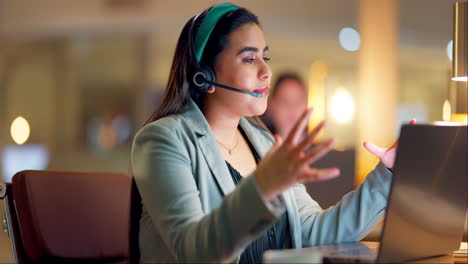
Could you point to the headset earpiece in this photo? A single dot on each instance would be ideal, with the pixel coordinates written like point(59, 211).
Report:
point(204, 78)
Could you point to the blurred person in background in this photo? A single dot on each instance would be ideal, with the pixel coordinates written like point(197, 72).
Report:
point(286, 103)
point(215, 185)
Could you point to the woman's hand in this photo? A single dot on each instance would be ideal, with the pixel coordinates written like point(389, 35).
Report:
point(288, 162)
point(386, 156)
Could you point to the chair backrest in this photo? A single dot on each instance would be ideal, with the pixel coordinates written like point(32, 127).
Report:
point(70, 217)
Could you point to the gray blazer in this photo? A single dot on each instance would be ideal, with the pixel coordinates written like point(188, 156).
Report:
point(193, 212)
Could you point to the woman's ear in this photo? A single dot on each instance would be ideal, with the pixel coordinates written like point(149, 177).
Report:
point(211, 90)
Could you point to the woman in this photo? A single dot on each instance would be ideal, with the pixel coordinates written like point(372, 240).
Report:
point(215, 186)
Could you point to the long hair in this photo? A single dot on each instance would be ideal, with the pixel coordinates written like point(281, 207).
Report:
point(184, 64)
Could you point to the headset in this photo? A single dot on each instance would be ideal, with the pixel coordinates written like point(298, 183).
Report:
point(204, 77)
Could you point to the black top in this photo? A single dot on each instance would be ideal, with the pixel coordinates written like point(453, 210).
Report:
point(277, 237)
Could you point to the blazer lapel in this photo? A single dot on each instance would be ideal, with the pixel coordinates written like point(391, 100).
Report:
point(214, 159)
point(261, 144)
point(208, 146)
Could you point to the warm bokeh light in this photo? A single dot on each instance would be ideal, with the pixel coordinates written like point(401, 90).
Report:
point(20, 130)
point(446, 111)
point(318, 72)
point(350, 39)
point(446, 123)
point(460, 79)
point(460, 118)
point(342, 106)
point(450, 49)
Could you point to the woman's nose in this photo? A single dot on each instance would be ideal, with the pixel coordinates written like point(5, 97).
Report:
point(265, 72)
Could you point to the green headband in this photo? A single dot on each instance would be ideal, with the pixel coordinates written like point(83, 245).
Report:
point(208, 24)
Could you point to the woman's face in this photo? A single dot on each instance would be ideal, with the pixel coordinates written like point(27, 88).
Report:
point(243, 65)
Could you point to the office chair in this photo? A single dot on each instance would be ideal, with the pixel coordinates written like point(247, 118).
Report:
point(68, 217)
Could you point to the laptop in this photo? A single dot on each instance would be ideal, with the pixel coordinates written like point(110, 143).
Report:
point(427, 203)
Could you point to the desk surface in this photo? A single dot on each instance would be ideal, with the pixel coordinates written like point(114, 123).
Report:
point(453, 258)
point(307, 255)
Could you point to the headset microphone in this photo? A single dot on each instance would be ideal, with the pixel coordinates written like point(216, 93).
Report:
point(258, 95)
point(203, 80)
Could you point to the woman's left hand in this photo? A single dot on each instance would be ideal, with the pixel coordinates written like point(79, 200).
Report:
point(386, 156)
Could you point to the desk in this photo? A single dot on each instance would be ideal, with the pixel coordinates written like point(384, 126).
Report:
point(312, 255)
point(453, 258)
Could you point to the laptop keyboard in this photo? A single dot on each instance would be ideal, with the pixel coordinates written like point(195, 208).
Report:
point(340, 260)
point(365, 252)
point(357, 255)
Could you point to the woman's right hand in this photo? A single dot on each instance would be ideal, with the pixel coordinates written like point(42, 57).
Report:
point(288, 162)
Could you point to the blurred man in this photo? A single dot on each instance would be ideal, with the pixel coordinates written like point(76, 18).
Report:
point(286, 103)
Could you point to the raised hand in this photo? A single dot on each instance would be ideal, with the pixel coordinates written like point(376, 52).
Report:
point(386, 156)
point(288, 162)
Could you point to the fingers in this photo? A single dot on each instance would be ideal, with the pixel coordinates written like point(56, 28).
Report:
point(314, 174)
point(308, 140)
point(395, 145)
point(278, 142)
point(300, 125)
point(319, 151)
point(377, 151)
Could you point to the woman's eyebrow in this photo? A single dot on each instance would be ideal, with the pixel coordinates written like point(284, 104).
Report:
point(251, 49)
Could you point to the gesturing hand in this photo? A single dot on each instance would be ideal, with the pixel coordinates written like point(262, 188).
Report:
point(288, 162)
point(386, 156)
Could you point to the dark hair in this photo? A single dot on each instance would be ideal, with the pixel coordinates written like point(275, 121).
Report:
point(286, 76)
point(184, 63)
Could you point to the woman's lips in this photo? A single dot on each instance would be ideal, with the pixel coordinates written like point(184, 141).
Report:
point(264, 91)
